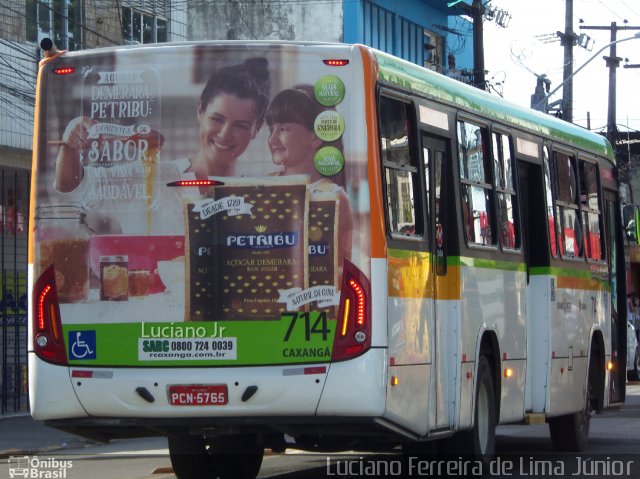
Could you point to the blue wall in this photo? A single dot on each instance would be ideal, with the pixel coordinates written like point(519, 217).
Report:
point(395, 26)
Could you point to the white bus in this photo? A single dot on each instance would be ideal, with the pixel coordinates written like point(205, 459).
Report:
point(250, 245)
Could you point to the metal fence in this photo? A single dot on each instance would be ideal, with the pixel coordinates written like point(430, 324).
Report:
point(14, 213)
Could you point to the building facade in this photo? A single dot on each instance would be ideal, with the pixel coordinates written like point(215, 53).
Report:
point(426, 32)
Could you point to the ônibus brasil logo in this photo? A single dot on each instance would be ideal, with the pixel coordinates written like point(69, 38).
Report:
point(36, 467)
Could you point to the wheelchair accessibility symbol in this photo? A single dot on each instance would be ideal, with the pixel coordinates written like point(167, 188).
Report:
point(82, 345)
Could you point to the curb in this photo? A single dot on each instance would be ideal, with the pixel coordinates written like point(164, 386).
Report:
point(6, 453)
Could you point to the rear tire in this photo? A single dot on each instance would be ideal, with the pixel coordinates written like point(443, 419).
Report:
point(190, 457)
point(479, 442)
point(427, 449)
point(570, 433)
point(237, 457)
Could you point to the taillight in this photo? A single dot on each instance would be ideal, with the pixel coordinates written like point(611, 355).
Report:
point(336, 62)
point(196, 183)
point(48, 340)
point(353, 333)
point(64, 70)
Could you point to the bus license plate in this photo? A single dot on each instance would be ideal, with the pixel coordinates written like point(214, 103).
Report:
point(198, 395)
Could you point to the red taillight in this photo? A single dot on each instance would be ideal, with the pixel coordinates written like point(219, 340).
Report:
point(336, 62)
point(196, 183)
point(64, 71)
point(353, 334)
point(360, 305)
point(41, 310)
point(48, 340)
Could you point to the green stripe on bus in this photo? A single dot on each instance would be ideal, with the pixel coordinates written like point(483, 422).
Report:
point(556, 271)
point(463, 261)
point(425, 83)
point(492, 264)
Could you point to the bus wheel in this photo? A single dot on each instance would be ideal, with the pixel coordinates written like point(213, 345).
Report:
point(479, 442)
point(190, 457)
point(237, 457)
point(570, 433)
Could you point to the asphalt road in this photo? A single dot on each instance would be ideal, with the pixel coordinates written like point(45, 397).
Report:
point(523, 451)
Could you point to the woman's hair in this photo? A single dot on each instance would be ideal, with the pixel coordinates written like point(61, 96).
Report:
point(248, 80)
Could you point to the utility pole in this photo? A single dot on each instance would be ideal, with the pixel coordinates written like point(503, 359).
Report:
point(568, 41)
point(477, 13)
point(612, 62)
point(548, 95)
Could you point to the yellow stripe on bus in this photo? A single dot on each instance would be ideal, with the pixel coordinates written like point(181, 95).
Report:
point(411, 275)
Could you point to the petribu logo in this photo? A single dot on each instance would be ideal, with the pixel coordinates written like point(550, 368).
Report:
point(263, 241)
point(318, 249)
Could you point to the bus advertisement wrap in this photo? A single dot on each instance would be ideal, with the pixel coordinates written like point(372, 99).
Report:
point(262, 249)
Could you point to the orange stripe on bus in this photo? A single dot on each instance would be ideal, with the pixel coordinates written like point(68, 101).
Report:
point(378, 237)
point(35, 155)
point(448, 286)
point(568, 282)
point(34, 164)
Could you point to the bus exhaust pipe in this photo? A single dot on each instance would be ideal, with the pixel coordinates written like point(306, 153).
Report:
point(49, 47)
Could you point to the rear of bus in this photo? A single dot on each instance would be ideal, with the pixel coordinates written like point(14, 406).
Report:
point(165, 300)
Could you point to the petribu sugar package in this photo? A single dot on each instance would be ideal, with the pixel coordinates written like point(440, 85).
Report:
point(323, 240)
point(245, 243)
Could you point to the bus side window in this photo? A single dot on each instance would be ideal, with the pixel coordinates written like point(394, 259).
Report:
point(506, 213)
point(475, 181)
point(590, 206)
point(401, 168)
point(551, 222)
point(570, 233)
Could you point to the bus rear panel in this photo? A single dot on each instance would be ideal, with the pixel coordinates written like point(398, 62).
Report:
point(162, 290)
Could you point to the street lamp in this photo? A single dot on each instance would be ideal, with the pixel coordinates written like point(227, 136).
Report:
point(535, 107)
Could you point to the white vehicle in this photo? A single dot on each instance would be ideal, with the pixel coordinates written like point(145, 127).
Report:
point(237, 241)
point(633, 354)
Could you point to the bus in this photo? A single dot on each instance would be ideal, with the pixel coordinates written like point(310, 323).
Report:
point(417, 263)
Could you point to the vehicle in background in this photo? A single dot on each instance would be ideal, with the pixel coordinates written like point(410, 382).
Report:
point(633, 354)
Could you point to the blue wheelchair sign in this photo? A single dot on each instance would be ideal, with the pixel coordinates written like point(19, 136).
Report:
point(82, 345)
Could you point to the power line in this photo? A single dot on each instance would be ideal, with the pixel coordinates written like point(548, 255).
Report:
point(607, 7)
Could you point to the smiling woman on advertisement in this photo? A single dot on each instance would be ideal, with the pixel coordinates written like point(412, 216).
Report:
point(230, 113)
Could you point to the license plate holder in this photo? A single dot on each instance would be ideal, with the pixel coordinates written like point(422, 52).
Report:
point(198, 394)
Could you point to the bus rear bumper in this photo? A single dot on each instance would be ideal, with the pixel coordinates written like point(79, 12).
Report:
point(51, 393)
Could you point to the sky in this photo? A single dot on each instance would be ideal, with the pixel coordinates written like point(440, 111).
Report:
point(514, 55)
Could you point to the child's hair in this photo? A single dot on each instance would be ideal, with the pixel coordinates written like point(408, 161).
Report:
point(294, 105)
point(299, 105)
point(248, 80)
